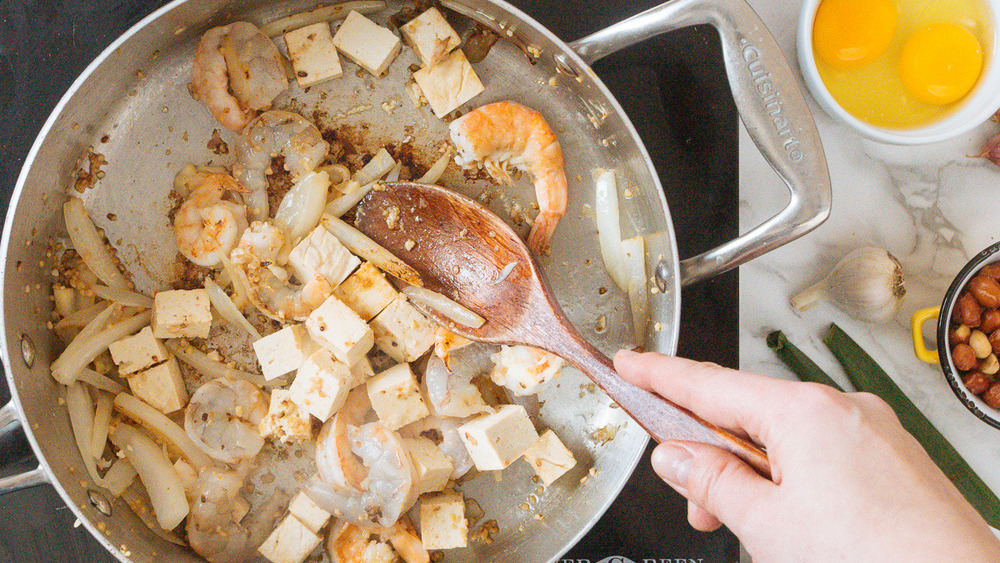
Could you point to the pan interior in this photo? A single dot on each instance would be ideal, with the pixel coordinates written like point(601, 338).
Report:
point(134, 109)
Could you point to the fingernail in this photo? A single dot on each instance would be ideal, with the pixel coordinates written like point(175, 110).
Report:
point(672, 463)
point(625, 355)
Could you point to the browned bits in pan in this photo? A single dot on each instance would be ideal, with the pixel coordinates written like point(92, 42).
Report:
point(974, 335)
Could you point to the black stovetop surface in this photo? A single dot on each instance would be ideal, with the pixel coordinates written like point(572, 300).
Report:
point(673, 88)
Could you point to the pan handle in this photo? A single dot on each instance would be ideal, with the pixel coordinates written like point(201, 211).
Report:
point(9, 422)
point(771, 106)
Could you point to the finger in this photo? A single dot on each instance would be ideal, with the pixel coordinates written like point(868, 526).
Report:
point(720, 483)
point(701, 520)
point(728, 398)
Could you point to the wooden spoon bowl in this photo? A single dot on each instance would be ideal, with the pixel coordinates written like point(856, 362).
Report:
point(468, 253)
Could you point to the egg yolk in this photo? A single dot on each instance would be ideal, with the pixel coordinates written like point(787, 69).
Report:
point(940, 63)
point(853, 33)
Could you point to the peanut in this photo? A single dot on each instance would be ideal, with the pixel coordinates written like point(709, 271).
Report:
point(968, 310)
point(985, 290)
point(958, 335)
point(991, 271)
point(976, 382)
point(980, 344)
point(964, 357)
point(990, 365)
point(990, 321)
point(992, 395)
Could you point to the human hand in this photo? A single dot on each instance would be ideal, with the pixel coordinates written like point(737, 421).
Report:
point(848, 482)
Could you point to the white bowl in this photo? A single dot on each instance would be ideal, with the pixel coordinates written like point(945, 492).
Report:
point(975, 108)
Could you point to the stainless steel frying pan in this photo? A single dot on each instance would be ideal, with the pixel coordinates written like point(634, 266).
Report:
point(147, 126)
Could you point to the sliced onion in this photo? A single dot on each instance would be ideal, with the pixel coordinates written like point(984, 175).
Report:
point(86, 334)
point(64, 299)
point(98, 381)
point(102, 418)
point(435, 172)
point(224, 305)
point(343, 203)
point(505, 272)
point(609, 229)
point(81, 419)
point(82, 350)
point(166, 429)
point(239, 290)
point(123, 296)
point(119, 477)
point(82, 317)
point(634, 256)
point(326, 13)
point(393, 175)
point(338, 173)
point(163, 484)
point(442, 304)
point(138, 501)
point(378, 166)
point(90, 245)
point(369, 250)
point(209, 367)
point(302, 206)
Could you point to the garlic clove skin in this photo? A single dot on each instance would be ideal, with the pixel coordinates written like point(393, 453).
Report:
point(867, 284)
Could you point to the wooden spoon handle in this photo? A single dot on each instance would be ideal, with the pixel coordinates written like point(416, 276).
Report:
point(661, 418)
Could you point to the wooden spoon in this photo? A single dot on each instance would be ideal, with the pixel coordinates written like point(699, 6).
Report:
point(462, 250)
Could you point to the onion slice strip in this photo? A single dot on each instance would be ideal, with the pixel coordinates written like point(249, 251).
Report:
point(302, 207)
point(90, 245)
point(82, 317)
point(119, 476)
point(166, 429)
point(81, 419)
point(102, 418)
point(98, 381)
point(326, 13)
point(163, 484)
point(343, 203)
point(139, 504)
point(378, 166)
point(83, 350)
point(609, 228)
point(442, 304)
point(634, 256)
point(437, 169)
point(224, 305)
point(123, 296)
point(209, 367)
point(369, 250)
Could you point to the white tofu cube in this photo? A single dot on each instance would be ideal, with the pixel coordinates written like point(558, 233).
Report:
point(432, 466)
point(367, 291)
point(362, 371)
point(285, 421)
point(430, 37)
point(182, 314)
point(312, 516)
point(322, 253)
point(322, 384)
point(161, 386)
point(283, 352)
point(495, 440)
point(138, 352)
point(335, 326)
point(523, 369)
point(402, 332)
point(448, 84)
point(442, 521)
point(290, 542)
point(549, 457)
point(371, 46)
point(313, 54)
point(395, 395)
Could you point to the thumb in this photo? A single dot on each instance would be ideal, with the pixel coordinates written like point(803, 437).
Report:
point(712, 478)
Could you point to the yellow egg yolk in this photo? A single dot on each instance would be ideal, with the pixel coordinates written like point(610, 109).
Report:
point(853, 33)
point(940, 63)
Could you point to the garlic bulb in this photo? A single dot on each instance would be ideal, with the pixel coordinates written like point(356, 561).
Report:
point(867, 284)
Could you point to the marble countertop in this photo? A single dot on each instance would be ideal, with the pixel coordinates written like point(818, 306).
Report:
point(930, 206)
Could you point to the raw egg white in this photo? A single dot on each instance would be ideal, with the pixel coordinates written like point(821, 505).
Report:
point(904, 63)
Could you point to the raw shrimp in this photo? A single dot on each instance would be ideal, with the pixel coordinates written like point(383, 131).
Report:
point(450, 391)
point(335, 462)
point(388, 490)
point(268, 285)
point(273, 133)
point(444, 432)
point(223, 418)
point(348, 543)
point(206, 226)
point(214, 524)
point(507, 133)
point(260, 79)
point(524, 369)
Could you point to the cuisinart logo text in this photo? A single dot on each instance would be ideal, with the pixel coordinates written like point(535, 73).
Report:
point(620, 559)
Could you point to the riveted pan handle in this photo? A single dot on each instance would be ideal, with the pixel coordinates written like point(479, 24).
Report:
point(771, 106)
point(10, 423)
